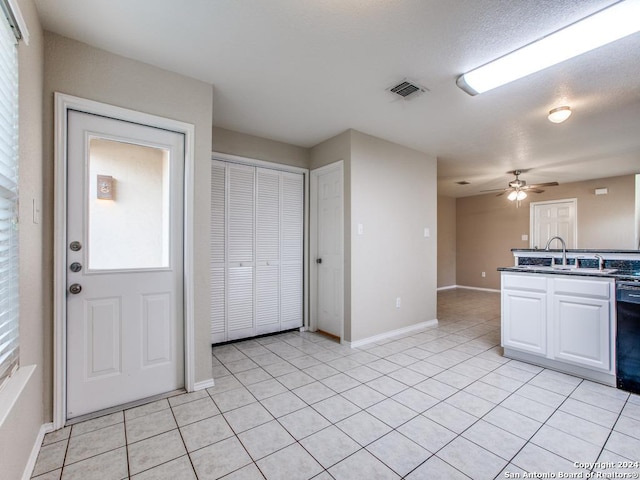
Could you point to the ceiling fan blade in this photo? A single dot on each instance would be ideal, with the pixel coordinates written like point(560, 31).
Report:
point(535, 190)
point(547, 184)
point(500, 194)
point(497, 190)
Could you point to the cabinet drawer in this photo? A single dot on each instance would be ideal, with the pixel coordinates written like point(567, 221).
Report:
point(524, 281)
point(581, 287)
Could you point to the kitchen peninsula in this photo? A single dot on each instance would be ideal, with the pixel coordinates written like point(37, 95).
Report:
point(561, 314)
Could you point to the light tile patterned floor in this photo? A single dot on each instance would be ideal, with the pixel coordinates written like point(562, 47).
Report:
point(438, 403)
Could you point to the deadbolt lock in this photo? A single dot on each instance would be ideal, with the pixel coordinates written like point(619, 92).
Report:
point(75, 267)
point(75, 288)
point(75, 246)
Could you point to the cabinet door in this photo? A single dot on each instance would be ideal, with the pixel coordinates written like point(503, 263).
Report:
point(524, 323)
point(581, 331)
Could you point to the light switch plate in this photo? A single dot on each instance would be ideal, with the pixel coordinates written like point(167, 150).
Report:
point(36, 211)
point(360, 229)
point(525, 238)
point(427, 233)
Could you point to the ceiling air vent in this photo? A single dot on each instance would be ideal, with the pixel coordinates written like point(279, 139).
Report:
point(407, 89)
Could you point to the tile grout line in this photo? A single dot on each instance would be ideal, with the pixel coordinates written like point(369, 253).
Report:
point(173, 414)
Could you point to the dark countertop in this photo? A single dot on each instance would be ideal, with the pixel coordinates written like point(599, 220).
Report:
point(573, 250)
point(626, 276)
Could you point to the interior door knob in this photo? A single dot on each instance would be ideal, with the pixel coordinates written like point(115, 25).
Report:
point(75, 289)
point(318, 260)
point(75, 267)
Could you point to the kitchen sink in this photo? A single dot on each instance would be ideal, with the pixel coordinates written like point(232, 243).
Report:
point(568, 269)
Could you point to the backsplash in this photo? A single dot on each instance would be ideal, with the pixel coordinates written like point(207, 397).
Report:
point(624, 267)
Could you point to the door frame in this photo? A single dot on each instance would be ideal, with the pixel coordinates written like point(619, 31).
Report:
point(532, 219)
point(313, 244)
point(62, 104)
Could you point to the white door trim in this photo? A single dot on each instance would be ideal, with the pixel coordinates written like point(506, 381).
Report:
point(313, 245)
point(226, 157)
point(532, 206)
point(64, 103)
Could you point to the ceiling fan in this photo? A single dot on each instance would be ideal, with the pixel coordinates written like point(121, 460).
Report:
point(518, 188)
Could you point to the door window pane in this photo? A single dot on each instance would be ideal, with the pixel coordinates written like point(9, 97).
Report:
point(128, 206)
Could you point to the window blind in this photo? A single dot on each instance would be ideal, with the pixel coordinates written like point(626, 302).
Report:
point(9, 339)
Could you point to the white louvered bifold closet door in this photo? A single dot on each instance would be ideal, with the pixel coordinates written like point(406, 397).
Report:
point(267, 251)
point(218, 243)
point(240, 245)
point(292, 232)
point(257, 232)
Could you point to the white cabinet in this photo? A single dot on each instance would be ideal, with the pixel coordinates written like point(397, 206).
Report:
point(257, 233)
point(565, 320)
point(581, 309)
point(524, 304)
point(527, 328)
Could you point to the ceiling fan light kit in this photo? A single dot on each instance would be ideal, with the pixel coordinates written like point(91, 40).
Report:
point(601, 28)
point(518, 188)
point(559, 114)
point(517, 195)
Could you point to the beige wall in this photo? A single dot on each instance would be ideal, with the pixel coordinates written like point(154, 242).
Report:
point(250, 146)
point(78, 69)
point(446, 241)
point(19, 431)
point(488, 227)
point(393, 195)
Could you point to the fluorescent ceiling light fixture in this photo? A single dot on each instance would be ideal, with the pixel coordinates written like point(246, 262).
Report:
point(601, 28)
point(559, 114)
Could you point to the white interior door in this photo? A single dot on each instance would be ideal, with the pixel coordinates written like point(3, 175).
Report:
point(125, 205)
point(550, 219)
point(328, 194)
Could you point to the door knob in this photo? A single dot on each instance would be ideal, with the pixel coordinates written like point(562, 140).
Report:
point(75, 267)
point(75, 289)
point(75, 246)
point(318, 260)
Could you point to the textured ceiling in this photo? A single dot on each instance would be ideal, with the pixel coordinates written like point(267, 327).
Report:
point(303, 71)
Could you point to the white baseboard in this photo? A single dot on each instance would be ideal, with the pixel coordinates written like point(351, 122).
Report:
point(35, 450)
point(203, 384)
point(448, 287)
point(478, 288)
point(391, 333)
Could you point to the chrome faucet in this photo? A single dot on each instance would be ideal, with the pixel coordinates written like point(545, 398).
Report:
point(564, 248)
point(600, 261)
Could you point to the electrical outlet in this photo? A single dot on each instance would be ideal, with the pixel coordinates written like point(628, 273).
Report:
point(398, 300)
point(484, 274)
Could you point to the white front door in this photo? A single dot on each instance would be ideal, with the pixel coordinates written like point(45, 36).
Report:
point(125, 202)
point(550, 219)
point(328, 196)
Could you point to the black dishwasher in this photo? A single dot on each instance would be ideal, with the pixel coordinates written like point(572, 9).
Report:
point(628, 336)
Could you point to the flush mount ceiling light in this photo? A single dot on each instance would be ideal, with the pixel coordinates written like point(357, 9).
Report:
point(559, 114)
point(601, 28)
